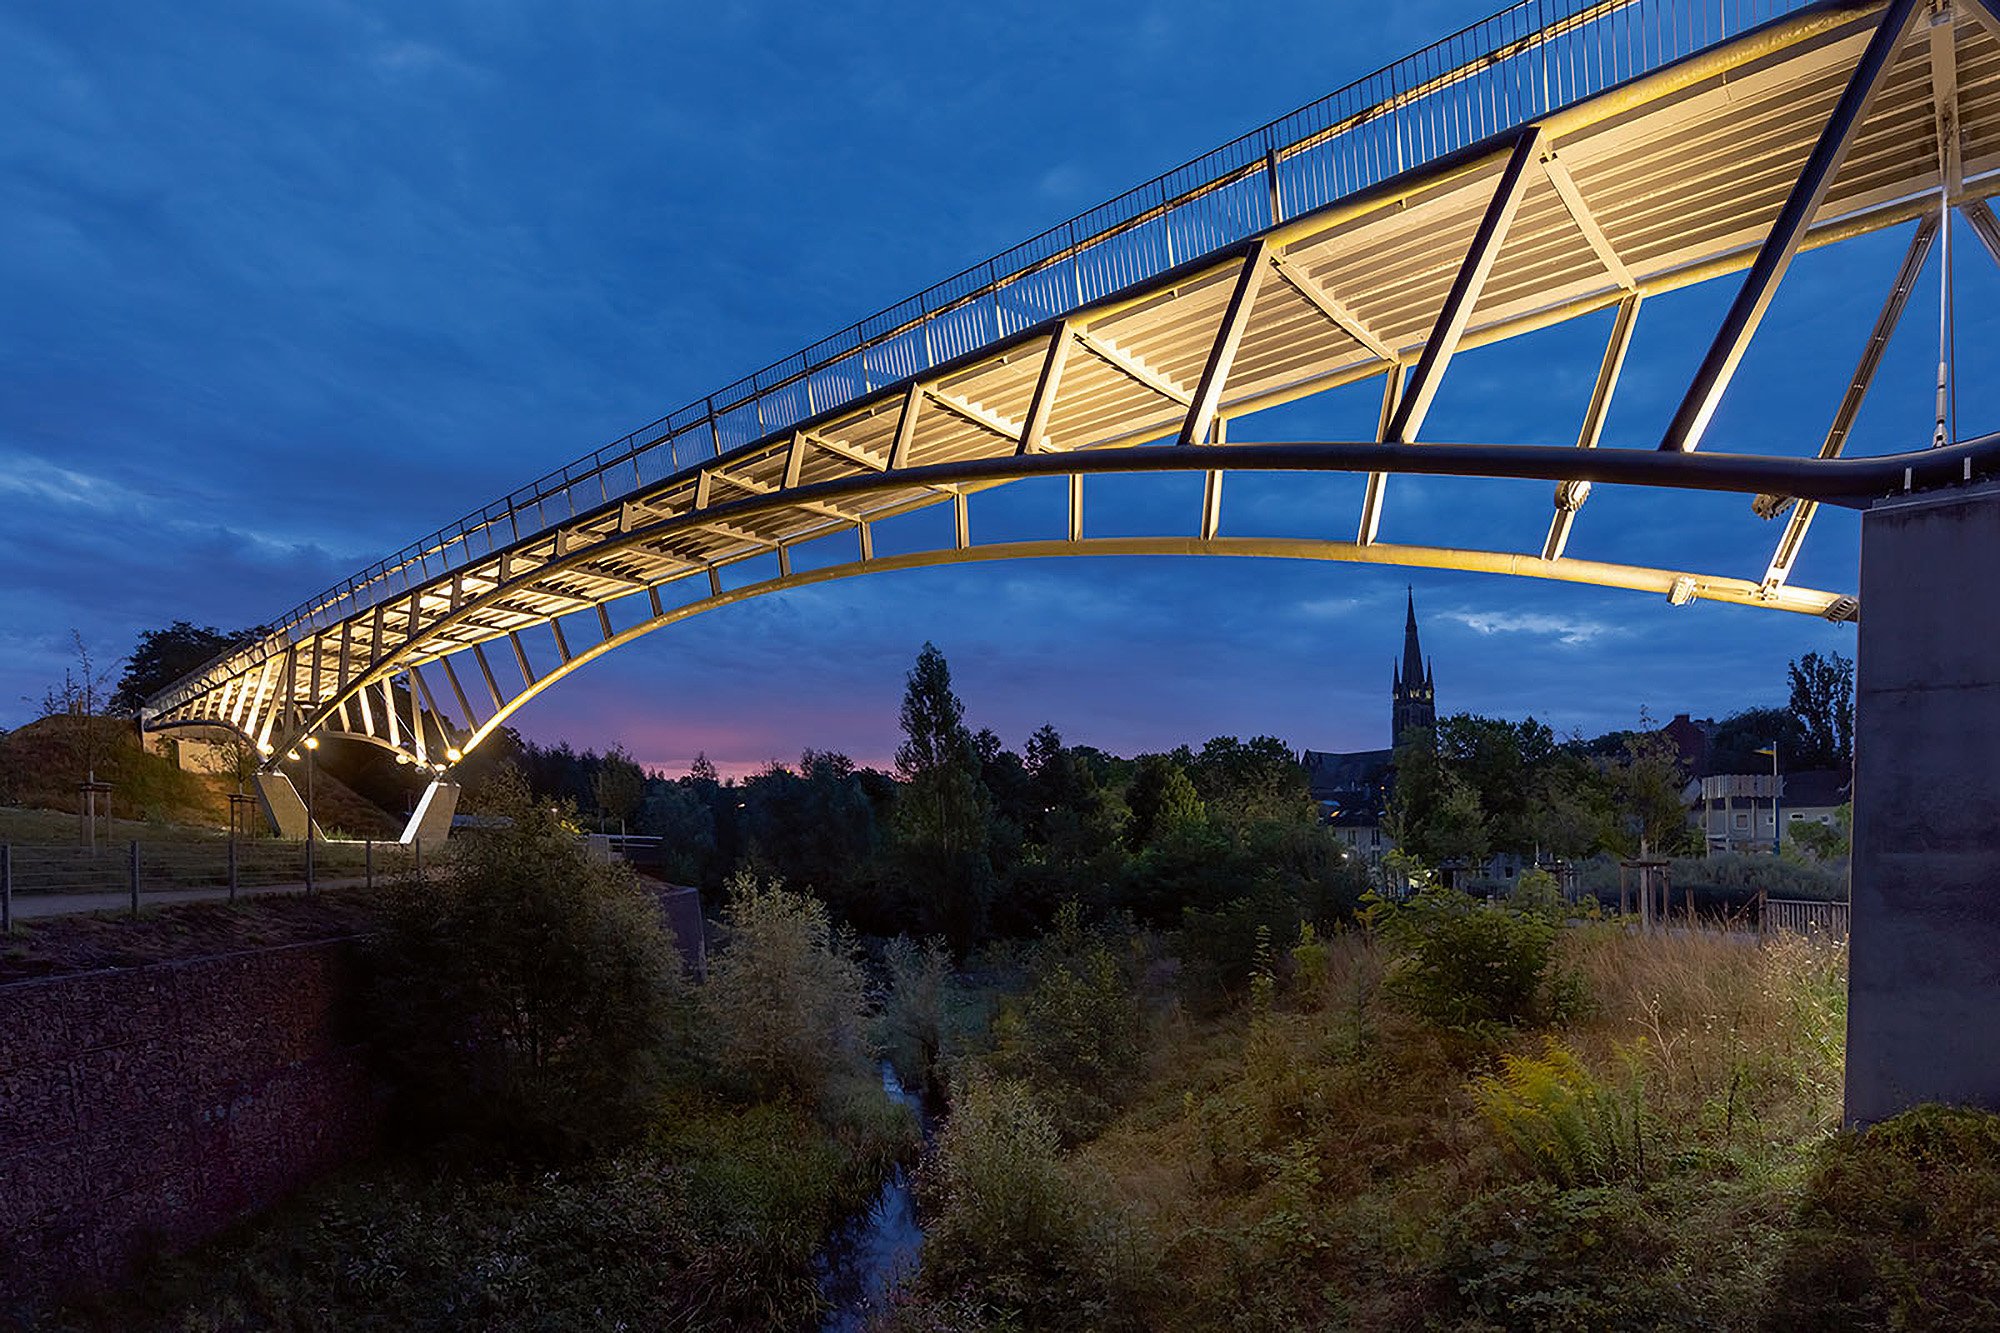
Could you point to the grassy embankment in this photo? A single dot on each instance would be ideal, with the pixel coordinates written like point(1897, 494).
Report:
point(1648, 1141)
point(152, 799)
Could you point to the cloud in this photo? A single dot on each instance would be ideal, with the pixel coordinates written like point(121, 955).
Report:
point(1566, 630)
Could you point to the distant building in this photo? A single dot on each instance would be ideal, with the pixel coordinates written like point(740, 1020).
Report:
point(1353, 788)
point(1692, 739)
point(1735, 812)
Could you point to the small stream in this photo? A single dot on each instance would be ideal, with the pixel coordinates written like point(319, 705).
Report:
point(879, 1250)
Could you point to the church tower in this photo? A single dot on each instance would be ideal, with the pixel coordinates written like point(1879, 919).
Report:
point(1413, 696)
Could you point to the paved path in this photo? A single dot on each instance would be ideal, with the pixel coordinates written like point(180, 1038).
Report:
point(33, 906)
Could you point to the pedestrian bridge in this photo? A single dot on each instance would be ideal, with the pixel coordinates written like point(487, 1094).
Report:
point(1562, 158)
point(1558, 159)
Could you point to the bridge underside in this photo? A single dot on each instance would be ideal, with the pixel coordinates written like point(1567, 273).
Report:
point(1729, 161)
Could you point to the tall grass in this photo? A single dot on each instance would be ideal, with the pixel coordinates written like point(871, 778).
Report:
point(1337, 1156)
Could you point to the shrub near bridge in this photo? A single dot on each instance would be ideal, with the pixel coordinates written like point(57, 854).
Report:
point(1462, 964)
point(526, 996)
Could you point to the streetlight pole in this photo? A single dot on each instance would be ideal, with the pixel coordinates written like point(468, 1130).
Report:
point(1777, 812)
point(312, 748)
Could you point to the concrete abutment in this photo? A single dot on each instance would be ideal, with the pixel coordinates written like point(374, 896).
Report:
point(1923, 1021)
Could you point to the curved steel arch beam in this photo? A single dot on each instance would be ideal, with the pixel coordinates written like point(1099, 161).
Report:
point(1851, 482)
point(1676, 586)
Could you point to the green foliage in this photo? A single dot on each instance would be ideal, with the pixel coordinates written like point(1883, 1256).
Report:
point(1537, 1259)
point(618, 786)
point(785, 1002)
point(1899, 1228)
point(1462, 964)
point(913, 1015)
point(1245, 783)
point(713, 1221)
point(1077, 1033)
point(1536, 890)
point(1309, 966)
point(528, 994)
point(1163, 803)
point(942, 827)
point(1560, 1122)
point(1745, 874)
point(163, 656)
point(1822, 702)
point(1012, 1220)
point(1434, 813)
point(1826, 842)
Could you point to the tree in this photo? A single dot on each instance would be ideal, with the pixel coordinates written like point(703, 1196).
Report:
point(1435, 814)
point(79, 697)
point(1162, 800)
point(163, 656)
point(942, 829)
point(1646, 782)
point(528, 994)
point(1822, 702)
point(1741, 735)
point(1249, 782)
point(619, 786)
point(785, 997)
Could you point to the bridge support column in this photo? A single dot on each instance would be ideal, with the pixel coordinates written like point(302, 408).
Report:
point(283, 807)
point(430, 822)
point(1923, 1021)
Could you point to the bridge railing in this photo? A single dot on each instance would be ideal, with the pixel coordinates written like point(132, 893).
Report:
point(1500, 73)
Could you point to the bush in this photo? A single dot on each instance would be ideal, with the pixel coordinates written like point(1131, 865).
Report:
point(1076, 1035)
point(1540, 1260)
point(913, 1015)
point(1560, 1122)
point(1899, 1228)
point(1011, 1220)
point(527, 995)
point(785, 1003)
point(1462, 964)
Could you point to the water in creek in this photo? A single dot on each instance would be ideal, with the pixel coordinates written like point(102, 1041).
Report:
point(879, 1250)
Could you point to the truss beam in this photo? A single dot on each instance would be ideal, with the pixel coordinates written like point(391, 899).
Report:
point(1753, 298)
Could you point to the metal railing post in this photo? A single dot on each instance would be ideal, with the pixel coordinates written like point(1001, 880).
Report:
point(232, 867)
point(6, 889)
point(309, 859)
point(132, 874)
point(368, 860)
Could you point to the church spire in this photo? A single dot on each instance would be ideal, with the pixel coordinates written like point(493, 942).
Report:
point(1413, 695)
point(1413, 653)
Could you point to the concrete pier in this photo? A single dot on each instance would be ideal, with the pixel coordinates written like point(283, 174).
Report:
point(1924, 973)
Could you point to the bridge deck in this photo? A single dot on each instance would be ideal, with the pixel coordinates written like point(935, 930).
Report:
point(1661, 181)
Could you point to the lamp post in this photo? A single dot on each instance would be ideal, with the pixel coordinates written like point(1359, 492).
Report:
point(1777, 816)
point(311, 744)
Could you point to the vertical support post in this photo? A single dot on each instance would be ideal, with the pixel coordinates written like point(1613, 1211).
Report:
point(1923, 988)
point(132, 874)
point(232, 865)
point(368, 861)
point(6, 889)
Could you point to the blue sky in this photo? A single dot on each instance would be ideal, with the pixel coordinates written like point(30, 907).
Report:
point(286, 286)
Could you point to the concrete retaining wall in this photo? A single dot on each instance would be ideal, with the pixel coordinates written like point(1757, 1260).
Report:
point(145, 1109)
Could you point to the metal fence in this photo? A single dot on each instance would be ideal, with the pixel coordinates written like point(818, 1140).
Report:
point(1495, 75)
point(1804, 916)
point(130, 874)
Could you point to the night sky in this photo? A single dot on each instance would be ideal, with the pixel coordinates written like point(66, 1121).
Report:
point(283, 287)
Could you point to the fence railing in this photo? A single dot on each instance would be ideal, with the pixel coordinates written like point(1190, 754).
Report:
point(1498, 74)
point(1804, 916)
point(133, 872)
